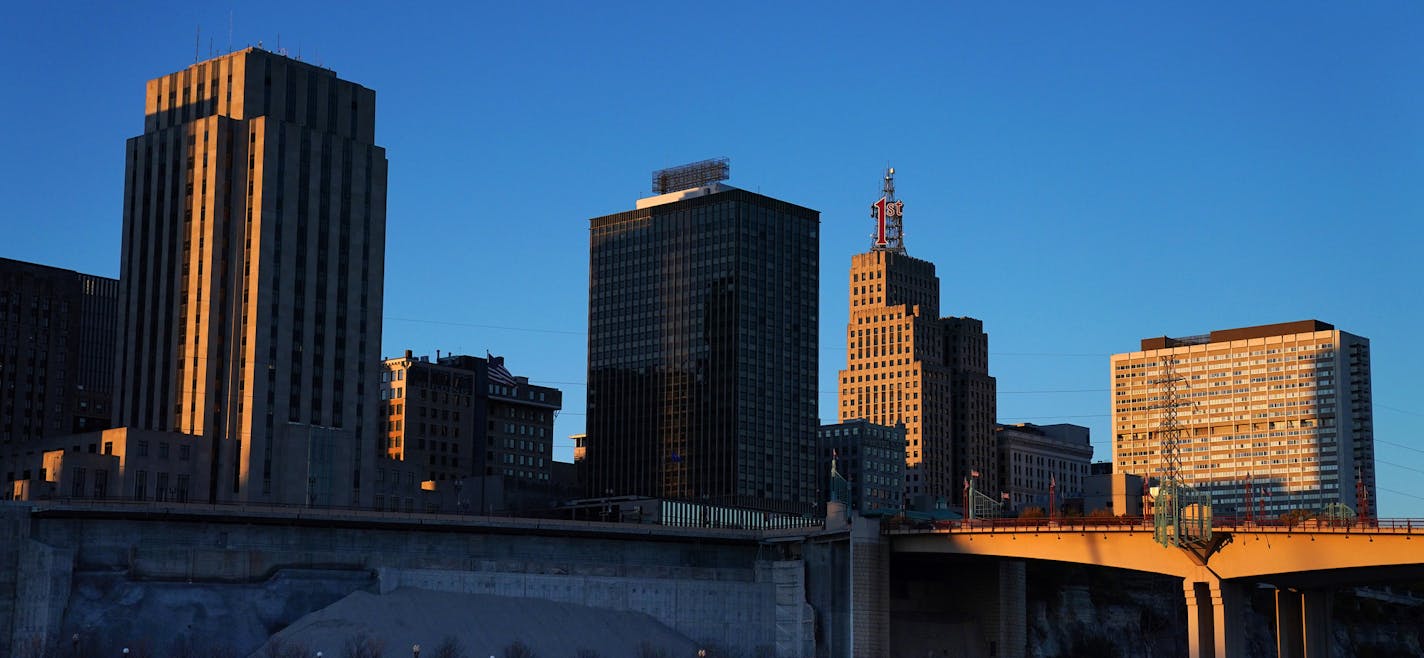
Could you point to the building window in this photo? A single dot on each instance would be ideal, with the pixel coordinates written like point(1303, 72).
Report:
point(77, 487)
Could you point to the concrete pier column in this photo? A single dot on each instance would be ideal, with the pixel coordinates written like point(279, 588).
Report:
point(869, 589)
point(1228, 603)
point(1215, 618)
point(1290, 624)
point(1303, 623)
point(1013, 610)
point(1199, 620)
point(1316, 618)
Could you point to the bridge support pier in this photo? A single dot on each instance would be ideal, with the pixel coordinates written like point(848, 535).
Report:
point(1214, 618)
point(1303, 623)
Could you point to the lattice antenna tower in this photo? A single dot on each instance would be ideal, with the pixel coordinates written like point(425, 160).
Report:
point(889, 216)
point(1182, 514)
point(1169, 431)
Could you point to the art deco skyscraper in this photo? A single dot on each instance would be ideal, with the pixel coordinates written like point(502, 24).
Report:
point(702, 347)
point(252, 269)
point(905, 364)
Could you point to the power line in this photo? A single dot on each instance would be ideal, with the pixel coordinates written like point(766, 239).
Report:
point(1407, 468)
point(1398, 410)
point(1401, 493)
point(1399, 445)
point(566, 332)
point(487, 326)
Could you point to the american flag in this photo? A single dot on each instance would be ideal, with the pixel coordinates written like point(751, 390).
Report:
point(498, 374)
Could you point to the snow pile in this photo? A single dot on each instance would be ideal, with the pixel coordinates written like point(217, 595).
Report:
point(483, 624)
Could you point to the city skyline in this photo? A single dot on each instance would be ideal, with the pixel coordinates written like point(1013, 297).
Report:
point(1050, 177)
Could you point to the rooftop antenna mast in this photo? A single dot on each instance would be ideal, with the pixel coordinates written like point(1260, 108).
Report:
point(889, 214)
point(197, 43)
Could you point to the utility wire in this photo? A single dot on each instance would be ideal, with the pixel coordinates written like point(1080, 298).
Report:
point(1399, 445)
point(1407, 468)
point(1398, 410)
point(1401, 493)
point(487, 326)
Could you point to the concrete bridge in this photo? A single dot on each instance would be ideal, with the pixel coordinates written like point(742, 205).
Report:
point(1301, 562)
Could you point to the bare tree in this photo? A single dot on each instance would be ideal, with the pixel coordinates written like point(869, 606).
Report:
point(279, 648)
point(450, 647)
point(518, 650)
point(362, 645)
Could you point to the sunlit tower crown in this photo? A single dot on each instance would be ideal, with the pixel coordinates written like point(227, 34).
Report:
point(889, 215)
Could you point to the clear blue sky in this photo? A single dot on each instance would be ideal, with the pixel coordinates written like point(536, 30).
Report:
point(1083, 176)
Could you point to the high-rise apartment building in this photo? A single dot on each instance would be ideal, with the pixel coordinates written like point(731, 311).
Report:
point(56, 353)
point(252, 269)
point(703, 349)
point(906, 364)
point(1282, 410)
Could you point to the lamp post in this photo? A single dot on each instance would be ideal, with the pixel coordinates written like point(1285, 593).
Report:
point(74, 645)
point(415, 650)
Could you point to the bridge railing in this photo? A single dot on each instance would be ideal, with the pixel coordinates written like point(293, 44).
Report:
point(1135, 523)
point(1241, 524)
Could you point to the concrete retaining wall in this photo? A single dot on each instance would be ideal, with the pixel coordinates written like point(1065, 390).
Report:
point(41, 593)
point(718, 591)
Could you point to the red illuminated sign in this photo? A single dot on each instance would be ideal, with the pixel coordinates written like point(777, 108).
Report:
point(884, 210)
point(880, 222)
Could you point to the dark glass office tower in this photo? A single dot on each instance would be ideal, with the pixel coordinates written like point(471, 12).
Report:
point(702, 350)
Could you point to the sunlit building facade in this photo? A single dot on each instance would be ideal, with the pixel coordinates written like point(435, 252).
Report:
point(252, 269)
point(1280, 414)
point(907, 365)
point(1035, 459)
